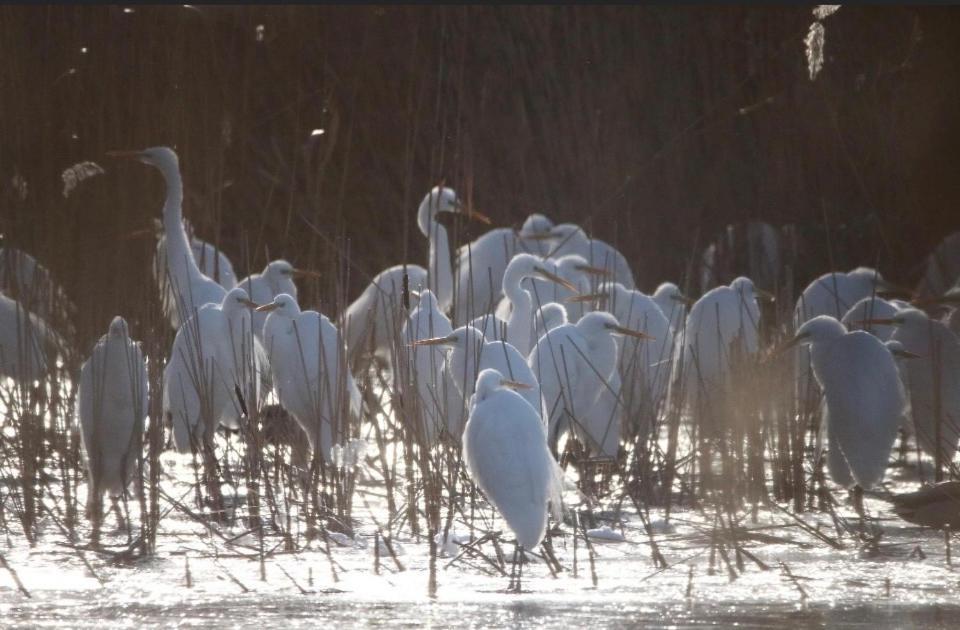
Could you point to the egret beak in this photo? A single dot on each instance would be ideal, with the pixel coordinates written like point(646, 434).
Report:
point(435, 341)
point(479, 217)
point(765, 295)
point(139, 233)
point(250, 304)
point(515, 384)
point(782, 349)
point(890, 291)
point(305, 273)
point(682, 299)
point(881, 321)
point(950, 297)
point(589, 297)
point(595, 271)
point(266, 308)
point(125, 154)
point(630, 332)
point(905, 354)
point(555, 278)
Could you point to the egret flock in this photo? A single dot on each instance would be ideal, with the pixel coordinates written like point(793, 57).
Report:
point(513, 349)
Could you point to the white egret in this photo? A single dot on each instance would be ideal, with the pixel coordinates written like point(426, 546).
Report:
point(548, 317)
point(307, 360)
point(436, 394)
point(480, 265)
point(27, 280)
point(370, 320)
point(868, 308)
point(575, 364)
point(835, 293)
point(112, 405)
point(469, 354)
point(722, 328)
point(214, 355)
point(673, 303)
point(864, 399)
point(574, 269)
point(518, 320)
point(941, 268)
point(188, 288)
point(28, 345)
point(569, 238)
point(933, 381)
point(644, 366)
point(505, 450)
point(276, 278)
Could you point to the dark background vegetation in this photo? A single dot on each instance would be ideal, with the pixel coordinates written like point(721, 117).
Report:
point(652, 126)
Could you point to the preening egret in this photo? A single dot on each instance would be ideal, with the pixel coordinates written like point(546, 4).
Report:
point(28, 345)
point(569, 238)
point(307, 360)
point(722, 328)
point(575, 364)
point(522, 304)
point(864, 397)
point(469, 354)
point(480, 265)
point(933, 381)
point(673, 303)
point(211, 260)
point(372, 319)
point(213, 355)
point(188, 288)
point(276, 278)
point(428, 380)
point(112, 406)
point(644, 366)
point(870, 308)
point(505, 450)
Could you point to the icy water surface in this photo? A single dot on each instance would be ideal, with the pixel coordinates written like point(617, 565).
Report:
point(904, 581)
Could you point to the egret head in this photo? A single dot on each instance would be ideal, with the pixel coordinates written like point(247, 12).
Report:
point(745, 287)
point(572, 264)
point(118, 328)
point(670, 291)
point(599, 323)
point(237, 300)
point(280, 275)
point(489, 380)
point(283, 304)
point(535, 226)
point(443, 199)
point(898, 351)
point(819, 329)
point(461, 338)
point(528, 266)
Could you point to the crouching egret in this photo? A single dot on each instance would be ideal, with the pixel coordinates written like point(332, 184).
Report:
point(187, 288)
point(214, 355)
point(28, 345)
point(371, 319)
point(480, 265)
point(469, 354)
point(933, 381)
point(864, 398)
point(576, 368)
point(276, 278)
point(112, 406)
point(307, 360)
point(505, 449)
point(428, 380)
point(722, 329)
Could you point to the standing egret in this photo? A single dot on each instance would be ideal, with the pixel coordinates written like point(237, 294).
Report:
point(673, 303)
point(722, 327)
point(864, 398)
point(933, 381)
point(576, 365)
point(428, 380)
point(187, 288)
point(644, 366)
point(28, 345)
point(307, 360)
point(480, 265)
point(214, 355)
point(112, 406)
point(276, 278)
point(505, 450)
point(572, 239)
point(518, 320)
point(469, 354)
point(369, 320)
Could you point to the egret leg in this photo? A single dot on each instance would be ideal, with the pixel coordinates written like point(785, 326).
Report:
point(857, 495)
point(514, 586)
point(121, 521)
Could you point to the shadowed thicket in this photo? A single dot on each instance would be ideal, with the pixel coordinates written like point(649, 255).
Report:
point(652, 126)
